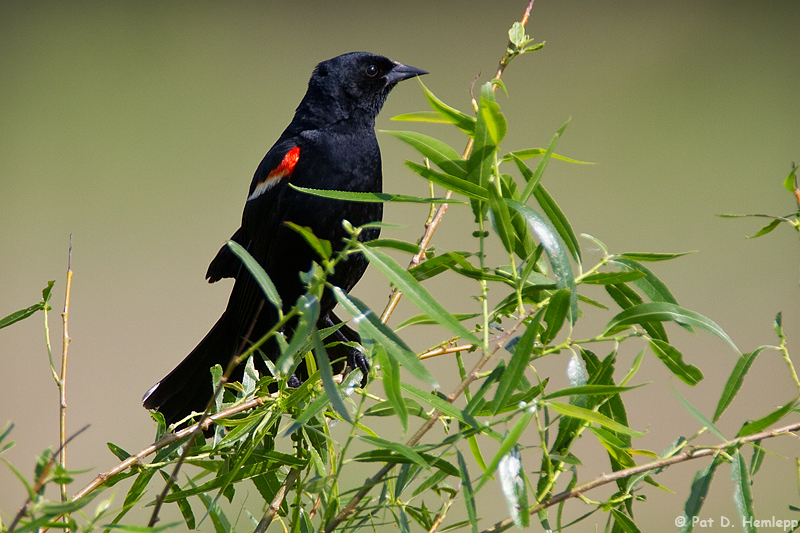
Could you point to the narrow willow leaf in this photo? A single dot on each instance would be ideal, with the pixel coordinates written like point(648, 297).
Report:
point(637, 362)
point(661, 312)
point(507, 444)
point(441, 263)
point(308, 305)
point(469, 494)
point(415, 292)
point(700, 417)
point(477, 401)
point(448, 181)
point(606, 278)
point(321, 246)
point(444, 406)
point(586, 390)
point(736, 380)
point(373, 197)
point(501, 219)
point(654, 288)
point(396, 244)
point(758, 458)
point(397, 447)
point(763, 423)
point(673, 359)
point(647, 256)
point(425, 320)
point(391, 456)
point(559, 260)
point(22, 314)
point(440, 154)
point(573, 411)
point(600, 244)
point(533, 182)
point(626, 298)
point(697, 497)
point(516, 365)
point(768, 228)
point(461, 120)
point(556, 314)
point(490, 112)
point(364, 317)
point(421, 116)
point(538, 152)
point(559, 220)
point(624, 522)
point(513, 402)
point(390, 370)
point(326, 373)
point(258, 274)
point(791, 181)
point(743, 492)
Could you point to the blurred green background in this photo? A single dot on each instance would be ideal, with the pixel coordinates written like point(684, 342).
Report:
point(136, 128)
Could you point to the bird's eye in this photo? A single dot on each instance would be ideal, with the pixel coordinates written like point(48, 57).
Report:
point(372, 71)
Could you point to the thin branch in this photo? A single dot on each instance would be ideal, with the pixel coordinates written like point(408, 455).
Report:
point(40, 481)
point(275, 505)
point(445, 350)
point(687, 455)
point(430, 227)
point(62, 382)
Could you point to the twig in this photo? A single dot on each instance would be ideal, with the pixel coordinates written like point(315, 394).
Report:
point(430, 227)
point(687, 455)
point(427, 426)
point(445, 350)
point(62, 382)
point(275, 505)
point(440, 516)
point(165, 441)
point(40, 481)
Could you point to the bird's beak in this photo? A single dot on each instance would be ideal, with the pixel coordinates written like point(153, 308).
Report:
point(402, 72)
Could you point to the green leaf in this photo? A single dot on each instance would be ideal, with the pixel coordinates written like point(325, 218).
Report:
point(508, 443)
point(421, 116)
point(654, 288)
point(556, 314)
point(627, 298)
point(535, 178)
point(415, 292)
point(501, 219)
point(390, 370)
point(624, 522)
point(736, 380)
point(373, 197)
point(516, 35)
point(116, 450)
point(370, 324)
point(469, 494)
point(768, 228)
point(789, 182)
point(425, 320)
point(490, 112)
point(763, 423)
point(308, 307)
point(22, 314)
point(593, 417)
point(538, 152)
point(743, 492)
point(647, 256)
point(700, 417)
point(326, 374)
point(516, 365)
point(559, 261)
point(673, 359)
point(392, 456)
point(661, 312)
point(439, 153)
point(396, 244)
point(587, 390)
point(461, 120)
point(450, 182)
point(559, 220)
point(442, 405)
point(321, 246)
point(606, 278)
point(258, 274)
point(697, 497)
point(398, 448)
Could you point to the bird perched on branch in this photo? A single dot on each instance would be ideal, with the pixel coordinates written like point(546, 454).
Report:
point(329, 144)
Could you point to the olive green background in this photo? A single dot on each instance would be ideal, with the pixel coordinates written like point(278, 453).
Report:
point(137, 127)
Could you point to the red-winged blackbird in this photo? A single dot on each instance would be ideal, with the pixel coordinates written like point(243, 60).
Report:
point(330, 144)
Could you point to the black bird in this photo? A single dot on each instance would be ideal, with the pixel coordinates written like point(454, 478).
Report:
point(329, 144)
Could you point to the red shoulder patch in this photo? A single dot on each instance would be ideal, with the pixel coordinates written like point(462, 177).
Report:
point(283, 170)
